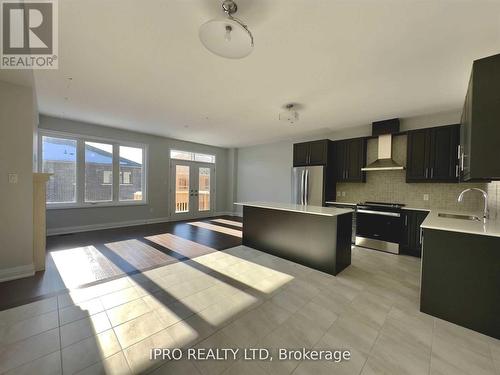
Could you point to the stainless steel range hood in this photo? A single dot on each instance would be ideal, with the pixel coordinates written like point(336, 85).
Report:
point(384, 130)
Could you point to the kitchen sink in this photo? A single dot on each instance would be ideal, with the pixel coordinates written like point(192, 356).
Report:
point(462, 217)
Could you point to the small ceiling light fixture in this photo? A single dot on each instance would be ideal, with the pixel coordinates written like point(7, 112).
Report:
point(227, 37)
point(290, 115)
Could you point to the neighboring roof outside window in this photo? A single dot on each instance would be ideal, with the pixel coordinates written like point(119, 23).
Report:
point(60, 150)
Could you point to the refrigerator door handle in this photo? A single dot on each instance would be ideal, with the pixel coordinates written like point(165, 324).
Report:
point(302, 188)
point(306, 195)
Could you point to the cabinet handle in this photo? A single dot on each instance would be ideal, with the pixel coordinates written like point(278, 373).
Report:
point(426, 172)
point(456, 170)
point(458, 151)
point(462, 161)
point(432, 172)
point(406, 220)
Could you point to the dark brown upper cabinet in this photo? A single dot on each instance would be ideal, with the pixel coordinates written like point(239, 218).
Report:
point(350, 157)
point(310, 153)
point(480, 133)
point(432, 154)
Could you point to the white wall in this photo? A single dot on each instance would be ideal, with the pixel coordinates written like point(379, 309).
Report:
point(17, 121)
point(64, 220)
point(264, 171)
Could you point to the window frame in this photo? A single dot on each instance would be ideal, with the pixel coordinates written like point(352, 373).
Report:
point(193, 156)
point(80, 169)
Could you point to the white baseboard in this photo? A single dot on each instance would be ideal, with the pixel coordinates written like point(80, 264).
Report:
point(19, 272)
point(88, 228)
point(226, 213)
point(119, 224)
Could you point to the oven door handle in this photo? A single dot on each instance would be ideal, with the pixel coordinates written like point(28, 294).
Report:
point(382, 213)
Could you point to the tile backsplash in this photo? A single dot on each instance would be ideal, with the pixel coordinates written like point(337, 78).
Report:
point(494, 199)
point(391, 186)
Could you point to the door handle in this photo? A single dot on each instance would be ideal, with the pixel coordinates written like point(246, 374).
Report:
point(302, 187)
point(306, 195)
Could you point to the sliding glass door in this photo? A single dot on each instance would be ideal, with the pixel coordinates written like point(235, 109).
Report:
point(192, 189)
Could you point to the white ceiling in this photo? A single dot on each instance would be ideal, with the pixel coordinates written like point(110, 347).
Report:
point(139, 65)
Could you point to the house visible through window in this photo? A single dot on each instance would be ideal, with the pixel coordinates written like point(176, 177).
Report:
point(92, 180)
point(59, 158)
point(131, 173)
point(98, 161)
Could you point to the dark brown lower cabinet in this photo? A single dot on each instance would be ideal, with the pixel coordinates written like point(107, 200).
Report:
point(460, 279)
point(349, 207)
point(411, 240)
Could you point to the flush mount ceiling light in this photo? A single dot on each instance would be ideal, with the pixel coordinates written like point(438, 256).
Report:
point(227, 37)
point(290, 115)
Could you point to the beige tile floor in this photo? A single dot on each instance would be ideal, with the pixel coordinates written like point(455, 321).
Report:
point(241, 297)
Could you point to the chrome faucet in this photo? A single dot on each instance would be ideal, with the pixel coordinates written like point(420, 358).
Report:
point(486, 214)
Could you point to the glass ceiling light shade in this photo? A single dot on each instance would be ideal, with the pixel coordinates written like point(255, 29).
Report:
point(227, 37)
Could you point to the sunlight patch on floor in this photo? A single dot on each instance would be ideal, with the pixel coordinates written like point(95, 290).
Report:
point(217, 228)
point(228, 222)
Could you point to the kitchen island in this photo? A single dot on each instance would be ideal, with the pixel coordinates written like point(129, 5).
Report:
point(314, 236)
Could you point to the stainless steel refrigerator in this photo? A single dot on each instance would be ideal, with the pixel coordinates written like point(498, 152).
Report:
point(307, 185)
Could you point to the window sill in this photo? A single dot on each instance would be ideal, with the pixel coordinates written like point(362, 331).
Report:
point(94, 205)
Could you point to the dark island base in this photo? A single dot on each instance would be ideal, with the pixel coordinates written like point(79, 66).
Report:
point(316, 241)
point(461, 280)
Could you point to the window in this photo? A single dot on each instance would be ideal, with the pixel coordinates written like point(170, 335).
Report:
point(204, 158)
point(126, 178)
point(204, 189)
point(59, 158)
point(91, 171)
point(192, 156)
point(107, 177)
point(182, 188)
point(131, 173)
point(98, 168)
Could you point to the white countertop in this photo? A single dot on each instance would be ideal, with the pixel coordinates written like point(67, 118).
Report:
point(354, 204)
point(416, 209)
point(342, 203)
point(433, 221)
point(312, 210)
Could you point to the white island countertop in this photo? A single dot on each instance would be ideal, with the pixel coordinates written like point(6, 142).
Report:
point(434, 221)
point(312, 210)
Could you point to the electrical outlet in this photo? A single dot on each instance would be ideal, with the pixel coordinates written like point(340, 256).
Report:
point(12, 178)
point(426, 197)
point(338, 194)
point(343, 193)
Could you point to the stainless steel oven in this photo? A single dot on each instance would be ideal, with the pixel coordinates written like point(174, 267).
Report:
point(379, 226)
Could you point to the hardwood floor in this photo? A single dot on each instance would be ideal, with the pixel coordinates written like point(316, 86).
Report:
point(87, 258)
